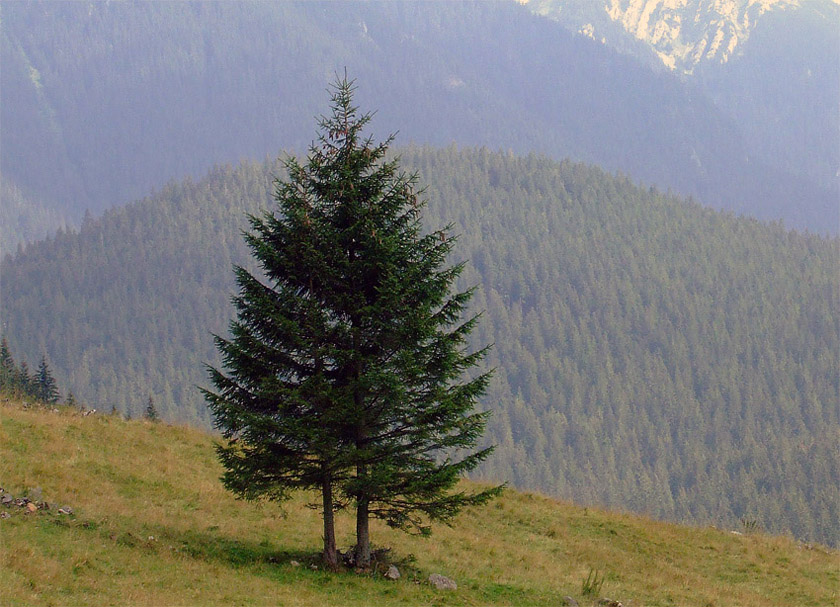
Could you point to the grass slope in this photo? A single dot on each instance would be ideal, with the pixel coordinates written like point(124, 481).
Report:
point(152, 525)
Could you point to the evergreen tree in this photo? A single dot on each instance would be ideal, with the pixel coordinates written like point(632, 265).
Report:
point(151, 413)
point(26, 384)
point(344, 367)
point(8, 370)
point(45, 385)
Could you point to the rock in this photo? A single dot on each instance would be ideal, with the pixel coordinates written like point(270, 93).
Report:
point(442, 582)
point(30, 507)
point(65, 510)
point(393, 573)
point(609, 603)
point(6, 499)
point(567, 600)
point(313, 567)
point(294, 563)
point(5, 515)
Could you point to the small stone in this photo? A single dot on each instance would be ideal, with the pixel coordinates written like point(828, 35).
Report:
point(609, 603)
point(6, 499)
point(30, 507)
point(570, 601)
point(313, 567)
point(152, 538)
point(5, 515)
point(442, 582)
point(294, 563)
point(393, 573)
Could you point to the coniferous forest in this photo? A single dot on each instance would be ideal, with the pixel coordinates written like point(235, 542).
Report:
point(650, 353)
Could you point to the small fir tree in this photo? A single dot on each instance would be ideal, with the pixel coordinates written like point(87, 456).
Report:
point(8, 369)
point(26, 384)
point(345, 365)
point(46, 389)
point(151, 413)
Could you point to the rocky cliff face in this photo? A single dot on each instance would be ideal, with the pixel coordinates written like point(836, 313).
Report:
point(682, 33)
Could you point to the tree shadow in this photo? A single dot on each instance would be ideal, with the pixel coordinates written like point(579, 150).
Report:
point(211, 545)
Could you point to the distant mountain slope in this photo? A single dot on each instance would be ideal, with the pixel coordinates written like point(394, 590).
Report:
point(772, 66)
point(23, 220)
point(652, 354)
point(103, 102)
point(682, 33)
point(152, 525)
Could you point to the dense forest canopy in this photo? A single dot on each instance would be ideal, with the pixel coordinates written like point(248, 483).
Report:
point(652, 354)
point(102, 102)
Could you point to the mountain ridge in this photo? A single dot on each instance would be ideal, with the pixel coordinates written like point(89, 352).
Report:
point(180, 100)
point(681, 33)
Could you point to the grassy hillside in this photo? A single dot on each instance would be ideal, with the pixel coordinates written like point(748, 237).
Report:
point(705, 346)
point(153, 526)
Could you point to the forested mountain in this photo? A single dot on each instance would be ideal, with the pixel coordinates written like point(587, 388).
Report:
point(102, 102)
point(651, 353)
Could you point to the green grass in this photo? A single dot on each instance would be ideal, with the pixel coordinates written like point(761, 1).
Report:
point(153, 526)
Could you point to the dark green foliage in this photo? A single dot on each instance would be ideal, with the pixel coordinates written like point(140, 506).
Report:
point(652, 354)
point(46, 388)
point(8, 369)
point(20, 383)
point(151, 413)
point(345, 363)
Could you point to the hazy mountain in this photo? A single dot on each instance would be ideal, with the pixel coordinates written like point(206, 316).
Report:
point(681, 33)
point(24, 220)
point(772, 66)
point(651, 354)
point(102, 102)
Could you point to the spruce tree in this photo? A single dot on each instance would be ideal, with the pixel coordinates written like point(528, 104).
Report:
point(27, 385)
point(345, 364)
point(45, 385)
point(151, 413)
point(8, 369)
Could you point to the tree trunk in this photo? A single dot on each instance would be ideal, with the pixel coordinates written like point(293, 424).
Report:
point(330, 552)
point(362, 550)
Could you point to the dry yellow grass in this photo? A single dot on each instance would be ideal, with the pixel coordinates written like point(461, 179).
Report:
point(153, 526)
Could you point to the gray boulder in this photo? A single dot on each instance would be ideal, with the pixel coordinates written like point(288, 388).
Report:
point(442, 582)
point(393, 573)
